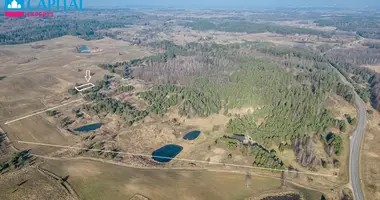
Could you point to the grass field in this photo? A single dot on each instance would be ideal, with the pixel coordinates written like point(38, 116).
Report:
point(91, 179)
point(29, 184)
point(36, 129)
point(33, 74)
point(370, 158)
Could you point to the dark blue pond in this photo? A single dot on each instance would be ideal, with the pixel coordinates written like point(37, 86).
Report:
point(191, 135)
point(89, 127)
point(166, 153)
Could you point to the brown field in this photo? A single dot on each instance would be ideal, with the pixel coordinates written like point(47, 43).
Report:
point(306, 24)
point(39, 78)
point(50, 71)
point(33, 186)
point(370, 158)
point(91, 179)
point(340, 107)
point(36, 129)
point(375, 68)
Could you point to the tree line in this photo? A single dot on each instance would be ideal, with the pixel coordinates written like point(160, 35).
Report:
point(253, 27)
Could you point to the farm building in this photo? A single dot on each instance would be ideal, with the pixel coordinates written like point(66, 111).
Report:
point(83, 49)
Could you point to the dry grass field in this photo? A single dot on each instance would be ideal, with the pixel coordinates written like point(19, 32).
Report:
point(49, 71)
point(91, 179)
point(30, 184)
point(370, 158)
point(36, 129)
point(375, 68)
point(36, 78)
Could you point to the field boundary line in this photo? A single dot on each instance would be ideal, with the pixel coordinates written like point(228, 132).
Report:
point(172, 158)
point(42, 111)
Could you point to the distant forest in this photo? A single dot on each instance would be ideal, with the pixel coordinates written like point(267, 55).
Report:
point(365, 26)
point(253, 27)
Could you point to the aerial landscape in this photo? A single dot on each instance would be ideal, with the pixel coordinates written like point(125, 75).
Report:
point(175, 102)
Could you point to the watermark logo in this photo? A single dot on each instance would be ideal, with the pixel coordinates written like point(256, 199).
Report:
point(41, 8)
point(14, 8)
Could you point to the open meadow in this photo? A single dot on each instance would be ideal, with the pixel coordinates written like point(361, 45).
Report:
point(91, 179)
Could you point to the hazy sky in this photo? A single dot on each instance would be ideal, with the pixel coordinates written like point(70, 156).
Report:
point(226, 3)
point(236, 3)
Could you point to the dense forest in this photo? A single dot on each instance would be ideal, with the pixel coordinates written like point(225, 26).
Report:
point(292, 101)
point(364, 26)
point(85, 25)
point(83, 28)
point(252, 27)
point(365, 81)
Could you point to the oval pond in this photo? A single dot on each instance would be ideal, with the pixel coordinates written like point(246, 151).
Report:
point(88, 127)
point(192, 135)
point(166, 153)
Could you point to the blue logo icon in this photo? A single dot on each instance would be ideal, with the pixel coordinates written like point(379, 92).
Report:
point(14, 5)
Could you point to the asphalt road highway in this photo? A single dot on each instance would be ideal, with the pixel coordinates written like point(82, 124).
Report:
point(355, 149)
point(355, 144)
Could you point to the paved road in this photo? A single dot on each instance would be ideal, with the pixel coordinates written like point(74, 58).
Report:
point(355, 145)
point(355, 149)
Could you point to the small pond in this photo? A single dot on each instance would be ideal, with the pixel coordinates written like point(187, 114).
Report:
point(166, 153)
point(283, 197)
point(192, 135)
point(88, 127)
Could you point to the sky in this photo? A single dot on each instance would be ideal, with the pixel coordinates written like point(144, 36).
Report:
point(226, 3)
point(236, 3)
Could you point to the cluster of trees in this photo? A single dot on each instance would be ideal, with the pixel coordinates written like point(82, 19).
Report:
point(17, 160)
point(113, 67)
point(231, 143)
point(365, 81)
point(252, 27)
point(2, 77)
point(51, 113)
point(66, 121)
point(72, 91)
point(294, 104)
point(334, 144)
point(265, 158)
point(160, 98)
point(364, 26)
point(304, 148)
point(108, 105)
point(358, 55)
point(194, 102)
point(262, 156)
point(346, 92)
point(291, 110)
point(242, 124)
point(126, 88)
point(84, 28)
point(103, 103)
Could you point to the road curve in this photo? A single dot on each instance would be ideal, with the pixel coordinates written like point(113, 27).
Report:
point(356, 143)
point(355, 149)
